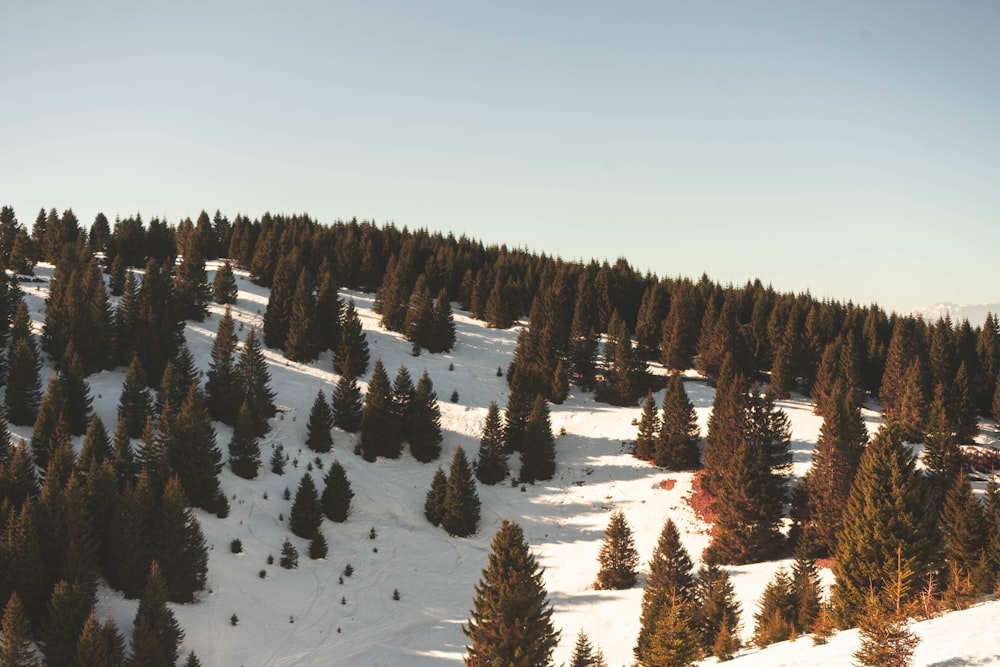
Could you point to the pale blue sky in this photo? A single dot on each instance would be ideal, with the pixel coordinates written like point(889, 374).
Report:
point(851, 149)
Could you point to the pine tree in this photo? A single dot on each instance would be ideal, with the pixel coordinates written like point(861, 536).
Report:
point(618, 557)
point(337, 494)
point(963, 528)
point(910, 408)
point(181, 550)
point(158, 325)
point(491, 467)
point(776, 611)
point(132, 534)
point(222, 386)
point(538, 461)
point(76, 391)
point(96, 444)
point(24, 393)
point(511, 620)
point(15, 637)
point(156, 636)
point(805, 589)
point(244, 450)
point(670, 576)
point(889, 508)
point(224, 289)
point(649, 427)
point(125, 465)
point(51, 420)
point(583, 652)
point(460, 511)
point(302, 339)
point(100, 645)
point(254, 378)
point(442, 325)
point(676, 445)
point(716, 612)
point(402, 402)
point(124, 320)
point(434, 502)
point(351, 354)
point(886, 640)
point(519, 403)
point(328, 312)
point(318, 547)
point(674, 641)
point(418, 321)
point(191, 286)
point(318, 431)
point(178, 376)
point(278, 461)
point(289, 555)
point(277, 316)
point(425, 422)
point(942, 455)
point(835, 460)
point(194, 455)
point(136, 404)
point(380, 435)
point(102, 495)
point(68, 610)
point(307, 513)
point(347, 404)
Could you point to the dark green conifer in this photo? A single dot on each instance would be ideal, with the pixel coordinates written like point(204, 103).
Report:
point(156, 635)
point(674, 641)
point(963, 531)
point(100, 646)
point(132, 536)
point(347, 404)
point(302, 340)
point(351, 354)
point(319, 436)
point(328, 310)
point(224, 289)
point(649, 427)
point(51, 418)
point(136, 404)
point(460, 512)
point(583, 652)
point(418, 322)
point(222, 386)
point(124, 320)
point(538, 460)
point(277, 462)
point(716, 612)
point(125, 464)
point(159, 326)
point(442, 326)
point(181, 550)
point(670, 577)
point(307, 513)
point(402, 401)
point(317, 546)
point(425, 422)
point(96, 444)
point(618, 557)
point(254, 379)
point(434, 502)
point(337, 494)
point(244, 450)
point(511, 619)
point(491, 467)
point(191, 285)
point(23, 394)
point(776, 611)
point(676, 445)
point(15, 636)
point(277, 317)
point(76, 391)
point(194, 455)
point(289, 555)
point(380, 435)
point(69, 607)
point(889, 508)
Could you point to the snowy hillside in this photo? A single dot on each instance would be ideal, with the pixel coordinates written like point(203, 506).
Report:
point(975, 313)
point(306, 616)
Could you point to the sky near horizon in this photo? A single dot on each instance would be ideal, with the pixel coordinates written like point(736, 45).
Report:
point(851, 149)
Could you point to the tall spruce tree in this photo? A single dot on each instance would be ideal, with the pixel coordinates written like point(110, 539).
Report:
point(649, 428)
point(716, 612)
point(670, 579)
point(302, 339)
point(254, 379)
point(491, 466)
point(222, 386)
point(538, 460)
point(963, 530)
point(425, 422)
point(224, 288)
point(442, 325)
point(328, 310)
point(434, 501)
point(100, 645)
point(194, 454)
point(460, 512)
point(307, 513)
point(347, 404)
point(676, 444)
point(156, 635)
point(244, 450)
point(380, 434)
point(181, 551)
point(96, 444)
point(511, 619)
point(191, 286)
point(76, 391)
point(618, 557)
point(889, 509)
point(350, 357)
point(337, 494)
point(24, 392)
point(16, 648)
point(319, 436)
point(135, 404)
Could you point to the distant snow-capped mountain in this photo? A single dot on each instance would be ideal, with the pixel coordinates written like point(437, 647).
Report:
point(975, 313)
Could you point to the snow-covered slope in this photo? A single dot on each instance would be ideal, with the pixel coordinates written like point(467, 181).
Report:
point(307, 617)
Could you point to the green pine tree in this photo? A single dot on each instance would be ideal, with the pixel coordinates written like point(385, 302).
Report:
point(100, 645)
point(307, 512)
point(380, 433)
point(670, 577)
point(181, 550)
point(425, 422)
point(347, 404)
point(156, 635)
point(136, 404)
point(350, 357)
point(511, 619)
point(676, 444)
point(618, 557)
point(16, 648)
point(224, 289)
point(716, 612)
point(254, 379)
point(319, 436)
point(244, 450)
point(223, 385)
point(649, 428)
point(491, 467)
point(460, 511)
point(337, 494)
point(23, 394)
point(538, 461)
point(434, 502)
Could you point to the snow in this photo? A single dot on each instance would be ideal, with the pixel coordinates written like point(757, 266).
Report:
point(295, 617)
